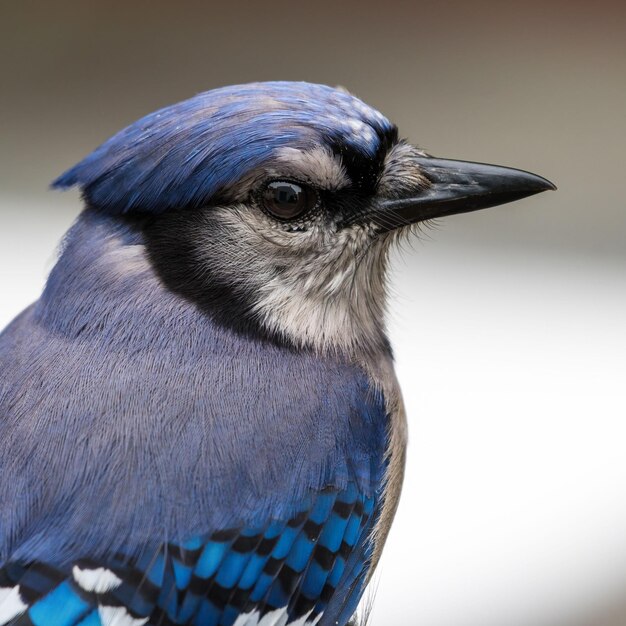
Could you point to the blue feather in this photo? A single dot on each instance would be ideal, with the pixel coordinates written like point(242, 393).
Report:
point(139, 435)
point(162, 361)
point(185, 154)
point(294, 582)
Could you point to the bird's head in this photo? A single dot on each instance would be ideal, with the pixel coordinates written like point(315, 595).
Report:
point(272, 206)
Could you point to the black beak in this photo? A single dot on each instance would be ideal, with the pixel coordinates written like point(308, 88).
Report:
point(461, 187)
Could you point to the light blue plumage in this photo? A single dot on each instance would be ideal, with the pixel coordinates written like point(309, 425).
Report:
point(199, 420)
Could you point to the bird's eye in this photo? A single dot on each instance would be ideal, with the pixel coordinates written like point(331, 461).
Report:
point(287, 200)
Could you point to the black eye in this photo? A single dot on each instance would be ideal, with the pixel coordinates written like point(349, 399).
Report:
point(286, 200)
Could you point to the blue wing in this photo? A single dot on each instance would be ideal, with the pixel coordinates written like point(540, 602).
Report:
point(284, 572)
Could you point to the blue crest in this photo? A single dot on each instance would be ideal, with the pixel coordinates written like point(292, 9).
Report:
point(184, 154)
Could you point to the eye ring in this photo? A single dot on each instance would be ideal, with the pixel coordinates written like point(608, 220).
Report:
point(287, 200)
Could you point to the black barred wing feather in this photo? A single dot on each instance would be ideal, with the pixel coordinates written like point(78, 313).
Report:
point(307, 570)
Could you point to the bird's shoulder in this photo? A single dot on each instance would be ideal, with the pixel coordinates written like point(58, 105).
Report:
point(160, 441)
point(267, 493)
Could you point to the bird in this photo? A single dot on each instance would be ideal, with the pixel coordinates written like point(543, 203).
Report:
point(200, 422)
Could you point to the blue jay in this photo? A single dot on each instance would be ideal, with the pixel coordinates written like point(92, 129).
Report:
point(199, 419)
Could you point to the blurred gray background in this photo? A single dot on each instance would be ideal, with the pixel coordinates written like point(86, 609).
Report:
point(508, 325)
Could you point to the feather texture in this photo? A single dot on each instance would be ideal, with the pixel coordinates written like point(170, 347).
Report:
point(143, 422)
point(205, 455)
point(293, 568)
point(187, 153)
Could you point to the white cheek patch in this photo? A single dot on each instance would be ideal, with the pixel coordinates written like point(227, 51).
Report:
point(331, 298)
point(99, 580)
point(320, 289)
point(11, 604)
point(318, 166)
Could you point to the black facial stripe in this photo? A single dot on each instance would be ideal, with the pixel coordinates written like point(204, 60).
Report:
point(172, 246)
point(364, 170)
point(346, 205)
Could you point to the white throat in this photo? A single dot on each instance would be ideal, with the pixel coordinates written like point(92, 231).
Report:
point(321, 290)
